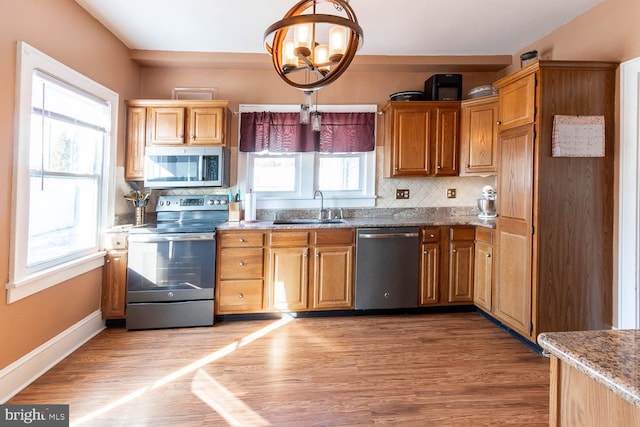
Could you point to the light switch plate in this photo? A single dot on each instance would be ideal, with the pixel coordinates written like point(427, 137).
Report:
point(451, 193)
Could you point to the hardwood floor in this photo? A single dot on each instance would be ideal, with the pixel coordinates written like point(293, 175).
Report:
point(405, 370)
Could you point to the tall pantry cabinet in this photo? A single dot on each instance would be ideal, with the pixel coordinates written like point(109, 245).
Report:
point(554, 263)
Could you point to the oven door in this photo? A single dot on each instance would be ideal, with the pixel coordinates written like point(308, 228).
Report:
point(171, 267)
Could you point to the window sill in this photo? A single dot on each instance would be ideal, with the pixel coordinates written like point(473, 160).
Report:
point(27, 286)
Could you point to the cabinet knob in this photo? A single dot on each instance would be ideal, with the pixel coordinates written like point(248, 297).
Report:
point(395, 168)
point(240, 295)
point(424, 252)
point(305, 255)
point(241, 240)
point(439, 167)
point(498, 122)
point(454, 250)
point(488, 255)
point(108, 261)
point(432, 235)
point(468, 165)
point(317, 255)
point(241, 263)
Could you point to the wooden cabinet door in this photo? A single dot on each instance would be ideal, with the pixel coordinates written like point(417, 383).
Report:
point(446, 141)
point(135, 141)
point(513, 298)
point(479, 136)
point(114, 285)
point(429, 274)
point(411, 134)
point(516, 105)
point(206, 126)
point(165, 125)
point(461, 271)
point(288, 280)
point(332, 273)
point(483, 275)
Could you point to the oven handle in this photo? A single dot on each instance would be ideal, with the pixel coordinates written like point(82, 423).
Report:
point(157, 238)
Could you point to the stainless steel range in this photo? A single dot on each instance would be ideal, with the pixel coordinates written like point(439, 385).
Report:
point(171, 265)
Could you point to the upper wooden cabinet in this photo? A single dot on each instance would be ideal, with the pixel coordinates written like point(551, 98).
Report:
point(517, 102)
point(479, 136)
point(554, 235)
point(421, 138)
point(171, 123)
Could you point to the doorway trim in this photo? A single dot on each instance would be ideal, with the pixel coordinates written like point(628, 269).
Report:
point(628, 314)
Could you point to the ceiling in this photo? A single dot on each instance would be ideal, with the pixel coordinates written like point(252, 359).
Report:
point(397, 27)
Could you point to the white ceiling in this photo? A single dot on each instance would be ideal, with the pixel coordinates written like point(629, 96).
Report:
point(391, 27)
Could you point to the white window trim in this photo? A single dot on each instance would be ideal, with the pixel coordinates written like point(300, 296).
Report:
point(330, 200)
point(22, 284)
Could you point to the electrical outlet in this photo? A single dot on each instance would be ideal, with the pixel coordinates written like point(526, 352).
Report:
point(402, 194)
point(451, 193)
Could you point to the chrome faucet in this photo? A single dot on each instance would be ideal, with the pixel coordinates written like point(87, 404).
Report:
point(321, 203)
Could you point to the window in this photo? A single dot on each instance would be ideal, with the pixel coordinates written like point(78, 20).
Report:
point(288, 180)
point(64, 150)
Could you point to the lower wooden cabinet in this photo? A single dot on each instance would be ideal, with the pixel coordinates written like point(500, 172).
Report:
point(430, 269)
point(311, 270)
point(461, 257)
point(332, 278)
point(114, 285)
point(240, 271)
point(483, 271)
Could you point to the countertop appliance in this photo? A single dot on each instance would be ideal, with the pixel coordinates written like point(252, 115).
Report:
point(443, 87)
point(167, 167)
point(171, 264)
point(487, 204)
point(387, 261)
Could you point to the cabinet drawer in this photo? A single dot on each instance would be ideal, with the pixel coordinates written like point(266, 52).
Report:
point(241, 263)
point(462, 233)
point(343, 236)
point(484, 235)
point(240, 296)
point(241, 239)
point(430, 235)
point(289, 238)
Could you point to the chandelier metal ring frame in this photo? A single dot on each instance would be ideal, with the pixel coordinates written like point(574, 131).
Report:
point(295, 17)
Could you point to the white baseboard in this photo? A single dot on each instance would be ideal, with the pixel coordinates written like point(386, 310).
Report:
point(28, 368)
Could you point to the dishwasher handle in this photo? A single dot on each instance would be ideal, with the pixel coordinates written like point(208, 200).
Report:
point(387, 235)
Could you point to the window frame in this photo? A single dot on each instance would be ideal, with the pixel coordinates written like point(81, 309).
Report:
point(303, 197)
point(24, 281)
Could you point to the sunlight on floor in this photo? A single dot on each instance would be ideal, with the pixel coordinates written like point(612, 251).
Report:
point(195, 367)
point(233, 410)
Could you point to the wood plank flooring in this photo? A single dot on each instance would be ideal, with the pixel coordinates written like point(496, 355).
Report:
point(452, 369)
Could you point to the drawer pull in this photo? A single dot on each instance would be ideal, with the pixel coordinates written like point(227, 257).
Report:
point(454, 250)
point(240, 295)
point(432, 235)
point(241, 240)
point(488, 255)
point(241, 263)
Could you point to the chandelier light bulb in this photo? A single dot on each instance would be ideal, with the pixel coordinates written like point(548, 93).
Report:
point(289, 58)
point(337, 43)
point(321, 56)
point(303, 39)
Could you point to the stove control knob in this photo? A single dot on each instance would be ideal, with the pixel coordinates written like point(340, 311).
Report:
point(168, 202)
point(216, 202)
point(161, 203)
point(223, 202)
point(210, 202)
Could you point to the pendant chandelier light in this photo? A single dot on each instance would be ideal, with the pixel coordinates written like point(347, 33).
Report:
point(311, 50)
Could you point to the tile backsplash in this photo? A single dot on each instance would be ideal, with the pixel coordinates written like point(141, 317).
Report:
point(428, 192)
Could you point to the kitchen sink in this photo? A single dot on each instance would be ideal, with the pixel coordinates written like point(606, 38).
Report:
point(293, 221)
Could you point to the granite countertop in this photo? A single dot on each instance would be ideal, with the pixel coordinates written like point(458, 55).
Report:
point(435, 220)
point(611, 357)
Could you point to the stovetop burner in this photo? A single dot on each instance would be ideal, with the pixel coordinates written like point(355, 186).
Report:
point(187, 214)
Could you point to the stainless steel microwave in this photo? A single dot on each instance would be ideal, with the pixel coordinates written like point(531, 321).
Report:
point(170, 167)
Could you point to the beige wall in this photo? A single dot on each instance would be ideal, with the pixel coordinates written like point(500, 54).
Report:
point(608, 32)
point(64, 31)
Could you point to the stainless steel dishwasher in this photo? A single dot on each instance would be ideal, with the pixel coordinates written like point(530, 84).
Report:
point(387, 268)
